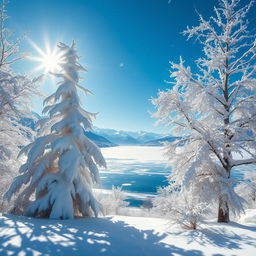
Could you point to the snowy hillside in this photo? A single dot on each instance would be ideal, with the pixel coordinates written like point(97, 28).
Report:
point(122, 236)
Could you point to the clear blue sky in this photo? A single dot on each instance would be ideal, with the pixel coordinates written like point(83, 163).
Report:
point(126, 47)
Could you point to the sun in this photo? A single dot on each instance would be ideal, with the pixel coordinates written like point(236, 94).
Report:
point(49, 59)
point(50, 62)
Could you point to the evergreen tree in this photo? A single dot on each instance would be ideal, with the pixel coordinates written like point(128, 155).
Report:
point(62, 162)
point(214, 109)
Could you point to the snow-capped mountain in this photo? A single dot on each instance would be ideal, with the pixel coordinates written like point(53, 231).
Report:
point(112, 137)
point(159, 142)
point(129, 137)
point(99, 140)
point(117, 137)
point(143, 136)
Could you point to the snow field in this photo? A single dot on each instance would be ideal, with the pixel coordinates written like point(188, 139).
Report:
point(122, 235)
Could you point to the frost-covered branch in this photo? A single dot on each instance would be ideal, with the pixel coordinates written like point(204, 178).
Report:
point(213, 108)
point(9, 50)
point(16, 91)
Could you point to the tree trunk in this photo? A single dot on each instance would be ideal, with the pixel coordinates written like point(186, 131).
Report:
point(223, 216)
point(223, 212)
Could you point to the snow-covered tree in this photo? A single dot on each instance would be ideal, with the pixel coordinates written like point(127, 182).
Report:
point(15, 92)
point(62, 163)
point(213, 109)
point(185, 209)
point(247, 189)
point(114, 203)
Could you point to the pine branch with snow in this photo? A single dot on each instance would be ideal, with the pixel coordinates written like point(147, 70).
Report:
point(62, 162)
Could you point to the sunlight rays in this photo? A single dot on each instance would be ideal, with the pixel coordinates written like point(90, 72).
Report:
point(48, 59)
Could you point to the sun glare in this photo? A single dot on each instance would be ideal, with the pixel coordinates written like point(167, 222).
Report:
point(48, 60)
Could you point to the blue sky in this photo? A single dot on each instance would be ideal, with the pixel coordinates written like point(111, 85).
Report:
point(126, 48)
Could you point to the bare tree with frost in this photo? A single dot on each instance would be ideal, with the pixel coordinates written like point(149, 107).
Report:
point(15, 93)
point(214, 109)
point(62, 163)
point(185, 209)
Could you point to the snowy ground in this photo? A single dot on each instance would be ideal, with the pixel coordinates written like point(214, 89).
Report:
point(122, 236)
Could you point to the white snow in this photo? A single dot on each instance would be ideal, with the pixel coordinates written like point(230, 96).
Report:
point(249, 217)
point(138, 153)
point(122, 236)
point(63, 162)
point(139, 159)
point(211, 107)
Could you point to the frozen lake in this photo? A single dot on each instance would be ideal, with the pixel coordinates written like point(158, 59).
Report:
point(141, 169)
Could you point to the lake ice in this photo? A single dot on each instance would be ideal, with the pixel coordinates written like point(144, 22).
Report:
point(140, 169)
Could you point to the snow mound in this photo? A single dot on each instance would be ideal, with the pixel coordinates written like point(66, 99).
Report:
point(249, 217)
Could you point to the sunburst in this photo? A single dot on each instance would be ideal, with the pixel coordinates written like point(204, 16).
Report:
point(48, 59)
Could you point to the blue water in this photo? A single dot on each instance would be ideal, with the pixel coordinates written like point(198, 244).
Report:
point(140, 183)
point(142, 177)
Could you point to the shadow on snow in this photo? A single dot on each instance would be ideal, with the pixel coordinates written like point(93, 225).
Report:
point(92, 237)
point(106, 237)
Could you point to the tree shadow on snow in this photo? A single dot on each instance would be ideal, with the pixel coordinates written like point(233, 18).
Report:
point(222, 237)
point(91, 237)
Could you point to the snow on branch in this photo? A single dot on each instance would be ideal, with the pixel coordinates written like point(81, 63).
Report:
point(212, 108)
point(62, 163)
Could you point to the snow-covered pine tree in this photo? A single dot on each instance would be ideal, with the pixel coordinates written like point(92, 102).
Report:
point(61, 163)
point(214, 109)
point(15, 92)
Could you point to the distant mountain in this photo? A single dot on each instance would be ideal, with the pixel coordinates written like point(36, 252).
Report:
point(117, 137)
point(112, 137)
point(127, 137)
point(143, 136)
point(159, 142)
point(99, 140)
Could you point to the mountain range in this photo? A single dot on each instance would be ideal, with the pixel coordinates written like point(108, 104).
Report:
point(140, 138)
point(112, 137)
